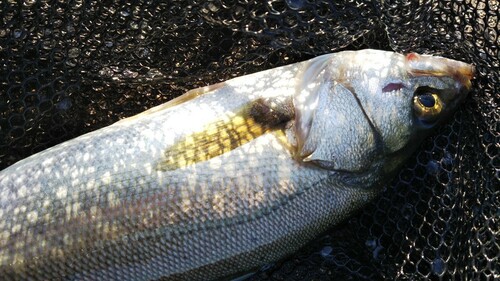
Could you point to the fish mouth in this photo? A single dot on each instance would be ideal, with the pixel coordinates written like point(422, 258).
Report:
point(424, 65)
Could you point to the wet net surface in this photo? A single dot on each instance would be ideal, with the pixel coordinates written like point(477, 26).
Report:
point(71, 67)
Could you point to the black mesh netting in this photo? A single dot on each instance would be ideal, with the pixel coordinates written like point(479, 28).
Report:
point(70, 67)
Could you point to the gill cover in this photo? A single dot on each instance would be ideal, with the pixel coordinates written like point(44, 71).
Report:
point(331, 128)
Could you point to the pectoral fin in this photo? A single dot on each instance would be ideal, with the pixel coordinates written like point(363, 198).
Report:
point(248, 123)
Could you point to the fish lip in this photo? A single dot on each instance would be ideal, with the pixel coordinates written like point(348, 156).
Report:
point(468, 71)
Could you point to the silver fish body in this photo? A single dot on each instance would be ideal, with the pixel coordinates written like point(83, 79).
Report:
point(225, 178)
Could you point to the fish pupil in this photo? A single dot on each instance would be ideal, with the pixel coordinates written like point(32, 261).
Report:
point(427, 100)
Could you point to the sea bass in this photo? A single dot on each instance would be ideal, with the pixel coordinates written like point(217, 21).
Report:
point(227, 177)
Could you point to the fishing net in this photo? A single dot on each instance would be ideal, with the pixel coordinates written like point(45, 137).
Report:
point(71, 67)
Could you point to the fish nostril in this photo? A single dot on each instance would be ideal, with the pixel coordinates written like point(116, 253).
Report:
point(392, 87)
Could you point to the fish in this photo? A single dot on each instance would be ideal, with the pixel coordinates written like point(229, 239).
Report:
point(225, 178)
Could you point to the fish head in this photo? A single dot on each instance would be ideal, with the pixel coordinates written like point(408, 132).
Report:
point(419, 95)
point(390, 101)
point(405, 96)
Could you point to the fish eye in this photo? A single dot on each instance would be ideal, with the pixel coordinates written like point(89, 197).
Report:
point(427, 100)
point(427, 105)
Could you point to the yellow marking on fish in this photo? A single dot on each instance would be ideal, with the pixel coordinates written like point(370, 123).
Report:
point(284, 141)
point(217, 138)
point(226, 134)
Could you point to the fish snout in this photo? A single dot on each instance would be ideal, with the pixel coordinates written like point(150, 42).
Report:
point(424, 65)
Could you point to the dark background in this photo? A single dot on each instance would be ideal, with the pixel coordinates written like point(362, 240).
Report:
point(71, 67)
